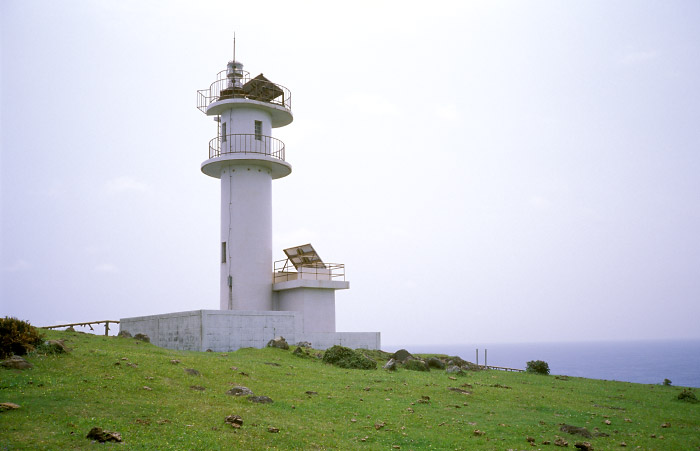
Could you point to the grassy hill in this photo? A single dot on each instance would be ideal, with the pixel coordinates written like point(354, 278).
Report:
point(133, 388)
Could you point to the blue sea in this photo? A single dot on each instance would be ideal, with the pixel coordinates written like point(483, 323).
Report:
point(645, 362)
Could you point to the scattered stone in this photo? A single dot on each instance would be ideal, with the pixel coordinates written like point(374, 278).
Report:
point(478, 433)
point(390, 365)
point(410, 410)
point(163, 421)
point(239, 390)
point(55, 347)
point(585, 446)
point(234, 420)
point(175, 361)
point(379, 425)
point(133, 365)
point(274, 430)
point(575, 430)
point(454, 369)
point(142, 337)
point(562, 378)
point(627, 420)
point(197, 387)
point(192, 372)
point(666, 425)
point(530, 439)
point(608, 422)
point(123, 334)
point(300, 352)
point(147, 388)
point(16, 363)
point(401, 355)
point(456, 361)
point(70, 329)
point(278, 342)
point(460, 390)
point(148, 378)
point(8, 406)
point(144, 421)
point(623, 444)
point(546, 442)
point(260, 399)
point(209, 350)
point(125, 358)
point(452, 378)
point(311, 393)
point(560, 442)
point(102, 436)
point(304, 344)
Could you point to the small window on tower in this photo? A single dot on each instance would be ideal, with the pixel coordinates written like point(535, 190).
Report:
point(258, 130)
point(223, 252)
point(223, 131)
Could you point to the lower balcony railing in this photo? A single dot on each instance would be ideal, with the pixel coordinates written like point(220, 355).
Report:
point(246, 143)
point(323, 271)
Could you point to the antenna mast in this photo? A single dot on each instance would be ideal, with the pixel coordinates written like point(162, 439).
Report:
point(234, 46)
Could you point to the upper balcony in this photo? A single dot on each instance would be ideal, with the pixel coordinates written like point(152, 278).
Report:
point(246, 149)
point(259, 91)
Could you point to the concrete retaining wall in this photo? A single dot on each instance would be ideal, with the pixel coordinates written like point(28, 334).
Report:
point(228, 330)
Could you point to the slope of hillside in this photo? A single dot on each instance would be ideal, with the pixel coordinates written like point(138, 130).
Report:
point(147, 395)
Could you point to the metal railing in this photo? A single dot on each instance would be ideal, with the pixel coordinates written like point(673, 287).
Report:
point(250, 88)
point(88, 324)
point(284, 271)
point(246, 143)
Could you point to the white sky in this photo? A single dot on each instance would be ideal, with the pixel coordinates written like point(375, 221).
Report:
point(488, 171)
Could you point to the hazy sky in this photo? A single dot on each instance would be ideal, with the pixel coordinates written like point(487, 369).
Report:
point(487, 171)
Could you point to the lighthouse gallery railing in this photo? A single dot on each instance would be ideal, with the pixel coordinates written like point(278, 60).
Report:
point(252, 89)
point(246, 143)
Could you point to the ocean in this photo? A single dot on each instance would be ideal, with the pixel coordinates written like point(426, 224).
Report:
point(644, 362)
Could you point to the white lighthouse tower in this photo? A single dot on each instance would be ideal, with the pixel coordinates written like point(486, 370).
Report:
point(246, 158)
point(259, 300)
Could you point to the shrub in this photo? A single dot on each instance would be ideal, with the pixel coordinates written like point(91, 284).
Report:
point(667, 382)
point(688, 396)
point(436, 363)
point(17, 337)
point(416, 365)
point(347, 358)
point(537, 367)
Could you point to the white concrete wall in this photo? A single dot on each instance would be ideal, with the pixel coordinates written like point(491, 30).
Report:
point(246, 227)
point(223, 331)
point(181, 330)
point(317, 306)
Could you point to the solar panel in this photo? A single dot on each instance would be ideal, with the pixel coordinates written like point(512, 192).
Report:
point(304, 256)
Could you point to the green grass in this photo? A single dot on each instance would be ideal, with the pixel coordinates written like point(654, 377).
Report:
point(64, 396)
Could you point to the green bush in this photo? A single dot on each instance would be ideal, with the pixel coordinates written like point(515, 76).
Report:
point(667, 382)
point(347, 358)
point(416, 365)
point(17, 337)
point(537, 367)
point(688, 396)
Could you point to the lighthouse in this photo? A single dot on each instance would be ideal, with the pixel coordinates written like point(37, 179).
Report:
point(246, 158)
point(260, 299)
